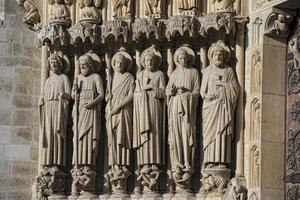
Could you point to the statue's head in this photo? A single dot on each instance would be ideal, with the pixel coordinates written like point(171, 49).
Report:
point(150, 61)
point(55, 63)
point(86, 65)
point(281, 18)
point(97, 3)
point(182, 58)
point(218, 54)
point(119, 63)
point(88, 2)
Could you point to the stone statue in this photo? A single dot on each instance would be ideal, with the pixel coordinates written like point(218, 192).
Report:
point(121, 8)
point(223, 5)
point(54, 109)
point(187, 5)
point(281, 25)
point(89, 12)
point(257, 72)
point(32, 16)
point(219, 91)
point(149, 110)
point(183, 94)
point(58, 12)
point(89, 90)
point(119, 115)
point(153, 8)
point(235, 191)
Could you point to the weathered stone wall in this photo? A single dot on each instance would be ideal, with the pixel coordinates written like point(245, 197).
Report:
point(19, 90)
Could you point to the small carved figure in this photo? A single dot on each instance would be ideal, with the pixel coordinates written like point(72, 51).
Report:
point(119, 115)
point(219, 91)
point(257, 72)
point(235, 191)
point(121, 8)
point(223, 5)
point(281, 25)
point(83, 179)
point(32, 15)
point(149, 110)
point(183, 93)
point(58, 12)
point(149, 177)
point(89, 12)
point(53, 110)
point(153, 8)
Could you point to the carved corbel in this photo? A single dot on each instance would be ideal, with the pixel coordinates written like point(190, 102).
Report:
point(148, 27)
point(182, 25)
point(216, 21)
point(32, 16)
point(277, 24)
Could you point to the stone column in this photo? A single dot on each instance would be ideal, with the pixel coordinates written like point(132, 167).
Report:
point(203, 57)
point(240, 70)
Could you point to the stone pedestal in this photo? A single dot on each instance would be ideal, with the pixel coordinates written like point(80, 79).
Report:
point(209, 197)
point(57, 197)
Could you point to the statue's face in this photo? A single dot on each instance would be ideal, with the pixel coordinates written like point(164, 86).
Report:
point(218, 58)
point(281, 18)
point(54, 66)
point(97, 3)
point(119, 65)
point(85, 67)
point(182, 59)
point(87, 2)
point(150, 62)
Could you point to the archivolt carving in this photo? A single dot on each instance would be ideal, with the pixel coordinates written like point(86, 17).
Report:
point(277, 24)
point(32, 15)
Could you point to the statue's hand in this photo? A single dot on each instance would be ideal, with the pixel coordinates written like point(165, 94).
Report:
point(220, 83)
point(114, 111)
point(108, 97)
point(148, 87)
point(41, 101)
point(211, 97)
point(170, 92)
point(89, 105)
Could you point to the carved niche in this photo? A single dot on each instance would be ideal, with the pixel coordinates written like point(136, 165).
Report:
point(257, 31)
point(255, 129)
point(256, 72)
point(254, 174)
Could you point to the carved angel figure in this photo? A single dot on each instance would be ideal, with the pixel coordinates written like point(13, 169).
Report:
point(121, 8)
point(183, 93)
point(58, 12)
point(219, 91)
point(281, 25)
point(90, 12)
point(223, 5)
point(53, 109)
point(91, 94)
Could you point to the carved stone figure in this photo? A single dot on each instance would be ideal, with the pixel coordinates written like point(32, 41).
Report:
point(257, 72)
point(187, 5)
point(235, 191)
point(149, 177)
point(149, 111)
point(88, 94)
point(254, 167)
point(32, 16)
point(153, 8)
point(53, 109)
point(281, 25)
point(119, 115)
point(219, 91)
point(256, 112)
point(121, 9)
point(183, 93)
point(58, 12)
point(84, 180)
point(223, 5)
point(89, 12)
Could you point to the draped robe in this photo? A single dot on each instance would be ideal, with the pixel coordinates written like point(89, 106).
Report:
point(187, 4)
point(58, 12)
point(224, 5)
point(152, 8)
point(119, 125)
point(218, 114)
point(182, 116)
point(148, 117)
point(89, 120)
point(121, 10)
point(53, 120)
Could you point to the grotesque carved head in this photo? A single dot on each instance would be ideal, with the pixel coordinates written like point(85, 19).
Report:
point(86, 65)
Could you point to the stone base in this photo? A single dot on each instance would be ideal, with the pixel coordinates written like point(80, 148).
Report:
point(104, 196)
point(57, 197)
point(73, 197)
point(168, 196)
point(209, 197)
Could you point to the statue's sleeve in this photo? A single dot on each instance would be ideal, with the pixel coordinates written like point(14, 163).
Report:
point(196, 89)
point(99, 86)
point(232, 88)
point(160, 90)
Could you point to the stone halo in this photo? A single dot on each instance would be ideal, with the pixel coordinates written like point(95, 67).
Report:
point(158, 57)
point(190, 53)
